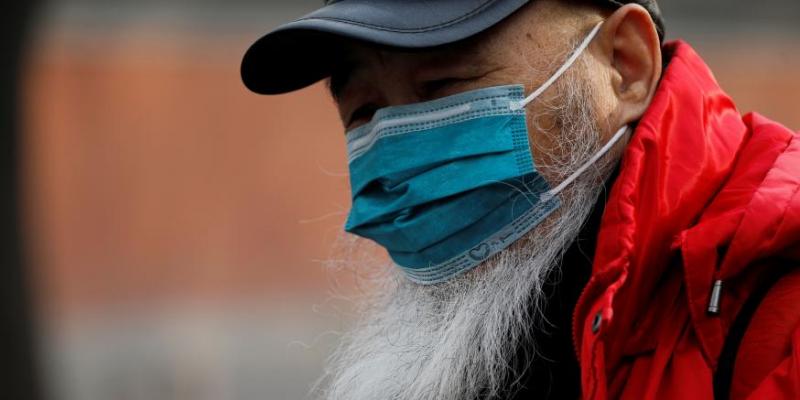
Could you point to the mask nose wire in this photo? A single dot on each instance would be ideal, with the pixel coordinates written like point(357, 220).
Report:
point(515, 106)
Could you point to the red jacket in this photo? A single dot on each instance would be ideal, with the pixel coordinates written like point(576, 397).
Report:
point(703, 195)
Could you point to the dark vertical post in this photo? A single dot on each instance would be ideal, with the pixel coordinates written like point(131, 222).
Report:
point(19, 372)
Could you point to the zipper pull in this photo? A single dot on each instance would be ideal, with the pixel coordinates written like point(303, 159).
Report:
point(713, 302)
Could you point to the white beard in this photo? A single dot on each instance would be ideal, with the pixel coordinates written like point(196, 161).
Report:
point(457, 340)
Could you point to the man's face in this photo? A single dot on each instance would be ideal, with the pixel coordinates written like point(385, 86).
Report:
point(526, 49)
point(458, 339)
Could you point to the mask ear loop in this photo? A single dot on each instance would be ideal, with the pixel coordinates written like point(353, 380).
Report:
point(614, 139)
point(516, 106)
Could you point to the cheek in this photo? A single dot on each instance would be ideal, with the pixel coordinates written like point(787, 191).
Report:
point(543, 134)
point(605, 103)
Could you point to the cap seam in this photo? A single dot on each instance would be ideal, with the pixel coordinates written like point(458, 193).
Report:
point(429, 28)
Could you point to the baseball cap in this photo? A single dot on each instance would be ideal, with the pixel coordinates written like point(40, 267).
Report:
point(306, 50)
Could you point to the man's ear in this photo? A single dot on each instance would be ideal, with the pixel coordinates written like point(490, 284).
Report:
point(630, 47)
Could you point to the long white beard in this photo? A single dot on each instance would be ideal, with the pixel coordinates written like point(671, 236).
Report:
point(457, 340)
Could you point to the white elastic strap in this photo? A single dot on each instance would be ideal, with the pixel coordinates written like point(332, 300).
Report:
point(556, 190)
point(571, 60)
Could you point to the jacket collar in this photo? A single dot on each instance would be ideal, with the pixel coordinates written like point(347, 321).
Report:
point(699, 186)
point(678, 157)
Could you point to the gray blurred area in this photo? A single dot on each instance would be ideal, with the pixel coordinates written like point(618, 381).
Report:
point(244, 344)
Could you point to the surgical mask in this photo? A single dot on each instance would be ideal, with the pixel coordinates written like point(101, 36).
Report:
point(443, 185)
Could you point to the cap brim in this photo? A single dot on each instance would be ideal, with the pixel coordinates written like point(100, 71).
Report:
point(302, 52)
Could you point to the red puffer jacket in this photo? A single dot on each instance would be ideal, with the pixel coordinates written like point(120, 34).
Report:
point(703, 196)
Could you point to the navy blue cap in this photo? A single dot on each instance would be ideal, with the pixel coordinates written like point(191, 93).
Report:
point(304, 51)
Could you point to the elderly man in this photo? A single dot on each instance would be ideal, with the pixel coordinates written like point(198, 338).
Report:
point(573, 208)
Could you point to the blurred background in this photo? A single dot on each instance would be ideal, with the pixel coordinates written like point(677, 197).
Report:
point(177, 224)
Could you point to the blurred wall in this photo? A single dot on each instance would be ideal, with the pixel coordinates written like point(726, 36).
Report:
point(178, 222)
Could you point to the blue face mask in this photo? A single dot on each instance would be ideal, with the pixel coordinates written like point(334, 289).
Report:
point(444, 185)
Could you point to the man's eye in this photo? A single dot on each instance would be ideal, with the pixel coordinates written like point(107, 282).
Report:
point(361, 115)
point(437, 85)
